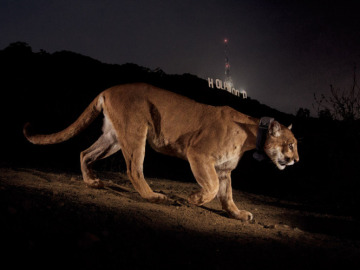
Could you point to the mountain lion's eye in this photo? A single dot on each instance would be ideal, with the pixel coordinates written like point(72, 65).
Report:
point(291, 146)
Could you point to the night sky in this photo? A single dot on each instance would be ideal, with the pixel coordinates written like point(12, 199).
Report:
point(280, 52)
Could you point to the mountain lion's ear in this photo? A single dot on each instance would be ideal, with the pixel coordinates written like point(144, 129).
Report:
point(290, 127)
point(274, 129)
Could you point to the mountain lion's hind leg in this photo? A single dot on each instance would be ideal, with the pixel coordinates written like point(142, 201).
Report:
point(133, 149)
point(105, 146)
point(226, 198)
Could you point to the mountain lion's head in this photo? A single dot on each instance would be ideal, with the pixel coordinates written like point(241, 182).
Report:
point(281, 145)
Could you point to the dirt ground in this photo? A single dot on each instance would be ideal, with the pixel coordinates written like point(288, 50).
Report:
point(52, 220)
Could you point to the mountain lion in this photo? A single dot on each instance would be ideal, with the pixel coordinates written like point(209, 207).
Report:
point(212, 139)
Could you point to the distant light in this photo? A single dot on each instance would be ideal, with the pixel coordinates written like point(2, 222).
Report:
point(226, 40)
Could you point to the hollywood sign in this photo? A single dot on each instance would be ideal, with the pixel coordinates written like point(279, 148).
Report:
point(219, 84)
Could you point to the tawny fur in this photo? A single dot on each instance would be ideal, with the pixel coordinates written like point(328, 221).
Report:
point(212, 139)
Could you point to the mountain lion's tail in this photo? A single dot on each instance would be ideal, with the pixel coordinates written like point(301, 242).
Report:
point(85, 119)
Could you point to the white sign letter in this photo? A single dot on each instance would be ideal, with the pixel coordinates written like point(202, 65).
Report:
point(235, 92)
point(211, 82)
point(244, 94)
point(218, 83)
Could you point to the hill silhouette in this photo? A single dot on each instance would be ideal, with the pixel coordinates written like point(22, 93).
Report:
point(51, 91)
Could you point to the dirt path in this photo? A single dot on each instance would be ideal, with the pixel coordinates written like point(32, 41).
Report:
point(54, 220)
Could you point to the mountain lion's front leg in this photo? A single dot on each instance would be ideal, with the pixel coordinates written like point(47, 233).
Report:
point(205, 174)
point(226, 198)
